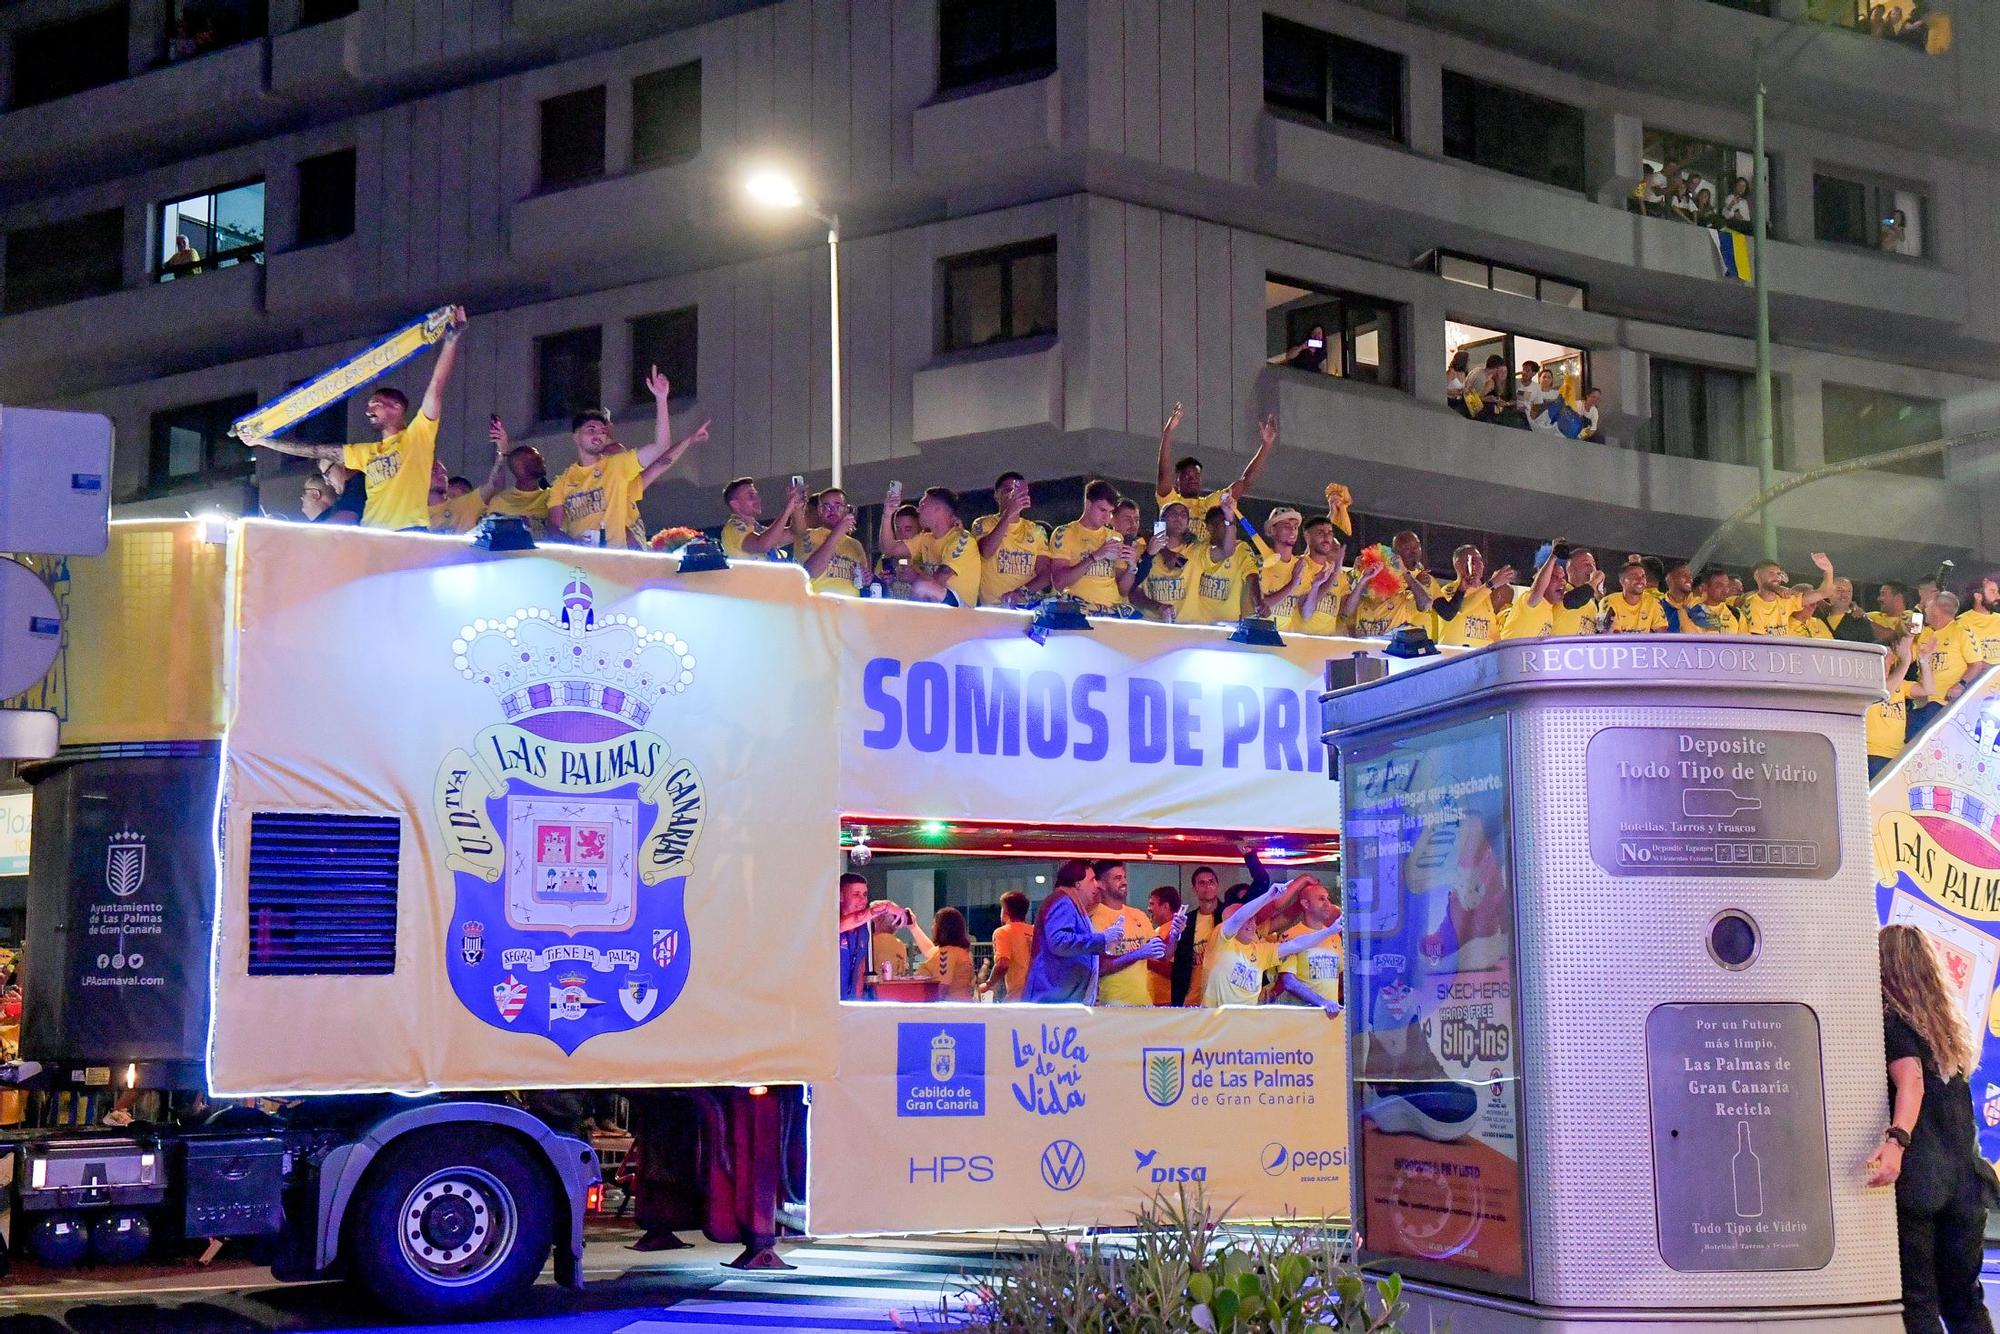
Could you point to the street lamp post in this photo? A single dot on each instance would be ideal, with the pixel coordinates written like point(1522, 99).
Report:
point(774, 189)
point(1760, 214)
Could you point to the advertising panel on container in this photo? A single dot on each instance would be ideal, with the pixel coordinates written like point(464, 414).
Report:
point(1936, 820)
point(1130, 723)
point(978, 1116)
point(1432, 973)
point(598, 792)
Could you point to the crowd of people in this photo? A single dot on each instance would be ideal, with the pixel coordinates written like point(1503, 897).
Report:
point(1256, 942)
point(1198, 561)
point(1538, 398)
point(1674, 190)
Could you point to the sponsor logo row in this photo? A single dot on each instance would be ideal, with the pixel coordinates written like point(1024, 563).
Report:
point(1062, 1166)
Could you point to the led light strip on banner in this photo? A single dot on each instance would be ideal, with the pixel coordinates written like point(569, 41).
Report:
point(330, 386)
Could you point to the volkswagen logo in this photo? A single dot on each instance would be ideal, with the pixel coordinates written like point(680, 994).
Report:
point(1062, 1165)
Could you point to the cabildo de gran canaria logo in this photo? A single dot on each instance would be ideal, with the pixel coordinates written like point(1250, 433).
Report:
point(570, 827)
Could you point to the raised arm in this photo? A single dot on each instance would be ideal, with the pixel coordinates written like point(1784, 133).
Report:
point(822, 555)
point(1267, 602)
point(1267, 436)
point(886, 541)
point(1299, 944)
point(1068, 935)
point(447, 362)
point(496, 477)
point(295, 449)
point(1166, 485)
point(1825, 590)
point(1419, 590)
point(775, 532)
point(1545, 573)
point(1293, 987)
point(991, 540)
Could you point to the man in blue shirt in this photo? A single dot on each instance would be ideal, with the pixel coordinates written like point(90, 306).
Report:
point(857, 923)
point(1063, 966)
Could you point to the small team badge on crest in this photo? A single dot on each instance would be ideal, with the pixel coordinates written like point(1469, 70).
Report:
point(509, 996)
point(638, 996)
point(666, 944)
point(472, 942)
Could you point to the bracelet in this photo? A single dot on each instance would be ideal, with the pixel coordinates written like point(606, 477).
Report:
point(1898, 1134)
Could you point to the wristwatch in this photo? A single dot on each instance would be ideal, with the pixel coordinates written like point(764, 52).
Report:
point(1897, 1133)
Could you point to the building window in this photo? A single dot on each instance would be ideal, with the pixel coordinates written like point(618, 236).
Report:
point(326, 11)
point(326, 197)
point(666, 116)
point(65, 261)
point(1333, 80)
point(196, 27)
point(1512, 131)
point(997, 295)
point(1747, 6)
point(568, 373)
point(1879, 217)
point(206, 232)
point(980, 41)
point(1694, 180)
point(58, 59)
point(1504, 388)
point(1904, 21)
point(1332, 333)
point(1858, 422)
point(1474, 272)
point(1705, 412)
point(572, 137)
point(669, 339)
point(192, 445)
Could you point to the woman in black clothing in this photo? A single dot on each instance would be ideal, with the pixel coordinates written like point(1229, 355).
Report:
point(1931, 1149)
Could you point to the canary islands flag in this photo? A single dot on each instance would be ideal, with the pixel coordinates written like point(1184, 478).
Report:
point(1732, 248)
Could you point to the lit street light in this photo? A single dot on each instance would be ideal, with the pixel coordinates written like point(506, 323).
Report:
point(776, 189)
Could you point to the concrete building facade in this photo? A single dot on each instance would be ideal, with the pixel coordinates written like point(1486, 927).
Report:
point(1059, 218)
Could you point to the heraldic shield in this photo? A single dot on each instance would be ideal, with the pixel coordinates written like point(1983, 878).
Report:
point(570, 828)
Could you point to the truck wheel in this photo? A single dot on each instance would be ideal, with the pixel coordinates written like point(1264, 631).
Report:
point(451, 1223)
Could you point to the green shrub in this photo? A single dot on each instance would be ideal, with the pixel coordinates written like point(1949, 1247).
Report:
point(1177, 1271)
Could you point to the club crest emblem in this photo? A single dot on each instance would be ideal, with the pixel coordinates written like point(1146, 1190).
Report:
point(570, 825)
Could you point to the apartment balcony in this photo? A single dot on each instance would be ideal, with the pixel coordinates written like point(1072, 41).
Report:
point(139, 326)
point(1849, 75)
point(616, 217)
point(1364, 188)
point(313, 63)
point(168, 111)
point(1016, 123)
point(996, 390)
point(1445, 469)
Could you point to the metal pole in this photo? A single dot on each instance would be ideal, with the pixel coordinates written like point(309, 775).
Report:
point(1759, 224)
point(833, 308)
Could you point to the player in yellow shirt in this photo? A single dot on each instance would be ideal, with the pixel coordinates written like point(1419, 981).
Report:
point(1165, 590)
point(745, 535)
point(834, 558)
point(1163, 909)
point(1371, 614)
point(1312, 976)
point(1464, 607)
point(518, 485)
point(1239, 954)
point(945, 557)
point(946, 955)
point(1013, 943)
point(1807, 624)
point(1089, 561)
point(1773, 608)
point(1886, 725)
point(1982, 619)
point(1635, 609)
point(1224, 570)
point(1950, 654)
point(1286, 572)
point(1559, 599)
point(455, 506)
point(1181, 482)
point(595, 502)
point(1013, 549)
point(397, 468)
point(1328, 580)
point(1122, 976)
point(1891, 617)
point(1715, 614)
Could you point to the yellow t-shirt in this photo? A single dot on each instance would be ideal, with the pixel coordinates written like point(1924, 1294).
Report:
point(734, 529)
point(1173, 589)
point(1097, 586)
point(602, 497)
point(1476, 624)
point(1722, 620)
point(1197, 506)
point(1526, 621)
point(954, 558)
point(531, 505)
point(1770, 616)
point(1377, 618)
point(1128, 985)
point(1984, 626)
point(1204, 927)
point(1317, 967)
point(397, 472)
point(1012, 944)
point(1160, 986)
point(1952, 652)
point(1013, 565)
point(1275, 573)
point(1325, 618)
point(1811, 627)
point(951, 965)
point(1574, 620)
point(1647, 618)
point(1896, 625)
point(1886, 725)
point(1236, 970)
point(1217, 596)
point(889, 948)
point(846, 570)
point(457, 514)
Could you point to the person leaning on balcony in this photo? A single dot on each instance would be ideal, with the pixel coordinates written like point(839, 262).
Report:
point(396, 468)
point(185, 259)
point(1455, 378)
point(1736, 208)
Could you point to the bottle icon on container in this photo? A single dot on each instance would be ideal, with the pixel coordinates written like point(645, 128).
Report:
point(1699, 802)
point(1747, 1173)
